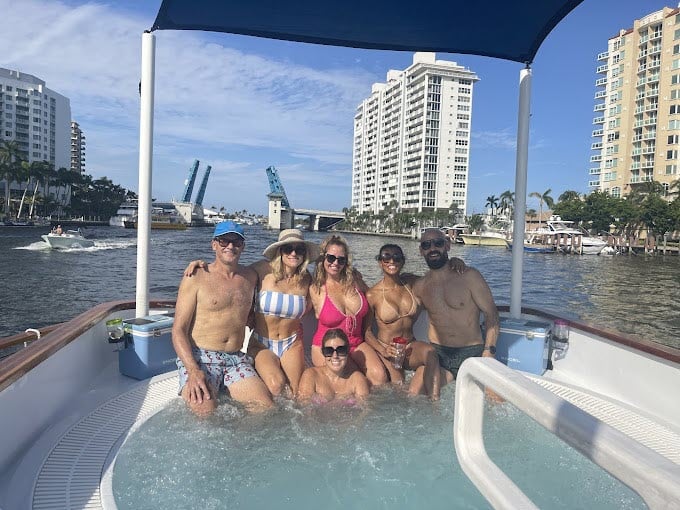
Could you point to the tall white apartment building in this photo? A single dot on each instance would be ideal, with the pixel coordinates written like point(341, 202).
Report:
point(637, 106)
point(39, 119)
point(412, 138)
point(77, 148)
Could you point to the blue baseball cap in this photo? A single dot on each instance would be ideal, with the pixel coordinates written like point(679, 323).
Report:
point(228, 227)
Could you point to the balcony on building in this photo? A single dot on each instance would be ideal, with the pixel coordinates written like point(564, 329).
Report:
point(599, 107)
point(596, 146)
point(598, 120)
point(596, 158)
point(594, 171)
point(594, 184)
point(598, 132)
point(602, 69)
point(600, 94)
point(603, 56)
point(601, 82)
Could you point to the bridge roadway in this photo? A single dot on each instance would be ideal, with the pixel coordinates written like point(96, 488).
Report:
point(320, 220)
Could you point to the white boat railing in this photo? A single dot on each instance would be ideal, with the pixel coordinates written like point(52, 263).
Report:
point(655, 478)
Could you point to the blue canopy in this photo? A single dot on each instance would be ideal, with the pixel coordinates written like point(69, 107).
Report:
point(507, 29)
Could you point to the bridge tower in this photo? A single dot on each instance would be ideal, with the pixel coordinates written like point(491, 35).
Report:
point(189, 183)
point(204, 185)
point(281, 215)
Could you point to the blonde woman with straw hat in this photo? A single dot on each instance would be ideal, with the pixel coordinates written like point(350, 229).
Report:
point(280, 304)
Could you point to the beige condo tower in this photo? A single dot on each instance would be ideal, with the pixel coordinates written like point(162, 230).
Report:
point(637, 108)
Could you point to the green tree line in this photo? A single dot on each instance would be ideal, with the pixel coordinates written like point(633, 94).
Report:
point(46, 190)
point(648, 207)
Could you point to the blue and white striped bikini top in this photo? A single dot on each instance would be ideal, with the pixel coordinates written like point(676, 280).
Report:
point(286, 306)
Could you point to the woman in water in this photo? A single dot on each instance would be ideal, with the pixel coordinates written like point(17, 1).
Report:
point(339, 302)
point(334, 379)
point(281, 302)
point(395, 309)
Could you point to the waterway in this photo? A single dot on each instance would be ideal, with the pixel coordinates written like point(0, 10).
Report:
point(636, 295)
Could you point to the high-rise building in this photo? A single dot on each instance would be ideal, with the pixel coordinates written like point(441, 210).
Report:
point(637, 119)
point(77, 148)
point(37, 118)
point(412, 138)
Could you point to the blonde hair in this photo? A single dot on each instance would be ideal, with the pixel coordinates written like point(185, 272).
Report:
point(279, 271)
point(347, 272)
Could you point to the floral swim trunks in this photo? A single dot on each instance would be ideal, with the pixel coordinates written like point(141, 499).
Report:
point(222, 369)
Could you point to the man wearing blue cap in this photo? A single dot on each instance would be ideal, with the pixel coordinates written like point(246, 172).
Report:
point(211, 313)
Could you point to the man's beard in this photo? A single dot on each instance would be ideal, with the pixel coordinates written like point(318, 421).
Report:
point(439, 262)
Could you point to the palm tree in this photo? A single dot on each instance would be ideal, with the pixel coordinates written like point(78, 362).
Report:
point(475, 222)
point(10, 154)
point(492, 202)
point(507, 201)
point(569, 195)
point(545, 197)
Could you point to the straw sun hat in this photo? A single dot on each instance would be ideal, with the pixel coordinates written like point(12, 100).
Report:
point(291, 236)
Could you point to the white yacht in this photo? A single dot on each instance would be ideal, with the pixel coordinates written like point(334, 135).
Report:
point(125, 212)
point(568, 235)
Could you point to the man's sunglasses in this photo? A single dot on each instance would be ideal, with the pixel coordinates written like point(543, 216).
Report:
point(394, 257)
point(331, 259)
point(438, 243)
point(340, 350)
point(299, 249)
point(226, 241)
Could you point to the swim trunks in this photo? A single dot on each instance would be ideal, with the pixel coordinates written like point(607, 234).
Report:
point(352, 324)
point(279, 304)
point(222, 369)
point(451, 358)
point(278, 347)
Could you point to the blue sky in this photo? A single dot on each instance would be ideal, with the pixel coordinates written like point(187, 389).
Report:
point(241, 104)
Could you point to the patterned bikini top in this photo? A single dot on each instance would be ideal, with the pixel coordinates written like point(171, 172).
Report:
point(279, 304)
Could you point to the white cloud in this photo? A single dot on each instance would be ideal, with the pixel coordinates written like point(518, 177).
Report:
point(209, 99)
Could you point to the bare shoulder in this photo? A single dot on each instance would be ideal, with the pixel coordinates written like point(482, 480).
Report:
point(372, 292)
point(471, 275)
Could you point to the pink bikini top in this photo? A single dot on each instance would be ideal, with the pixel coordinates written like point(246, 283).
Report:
point(330, 318)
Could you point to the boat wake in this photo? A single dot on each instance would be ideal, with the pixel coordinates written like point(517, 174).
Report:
point(99, 245)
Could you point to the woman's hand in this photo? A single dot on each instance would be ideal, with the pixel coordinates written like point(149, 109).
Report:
point(193, 266)
point(456, 264)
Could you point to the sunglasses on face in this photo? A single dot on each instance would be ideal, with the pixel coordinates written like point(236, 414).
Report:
point(394, 257)
point(226, 241)
point(332, 259)
point(341, 351)
point(438, 243)
point(299, 249)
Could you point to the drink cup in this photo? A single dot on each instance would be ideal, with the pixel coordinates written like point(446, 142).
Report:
point(399, 344)
point(114, 328)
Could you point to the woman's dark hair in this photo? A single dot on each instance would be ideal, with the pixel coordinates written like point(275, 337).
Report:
point(394, 247)
point(334, 333)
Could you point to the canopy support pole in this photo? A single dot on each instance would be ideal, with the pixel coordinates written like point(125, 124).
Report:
point(146, 92)
point(521, 161)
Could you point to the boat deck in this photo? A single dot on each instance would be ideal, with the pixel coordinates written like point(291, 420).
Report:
point(77, 473)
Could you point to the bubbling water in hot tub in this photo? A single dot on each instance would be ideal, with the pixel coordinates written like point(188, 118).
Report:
point(395, 452)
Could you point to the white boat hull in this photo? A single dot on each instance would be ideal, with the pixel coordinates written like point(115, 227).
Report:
point(487, 239)
point(67, 241)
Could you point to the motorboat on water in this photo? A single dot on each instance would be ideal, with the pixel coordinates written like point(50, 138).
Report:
point(66, 408)
point(67, 240)
point(568, 238)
